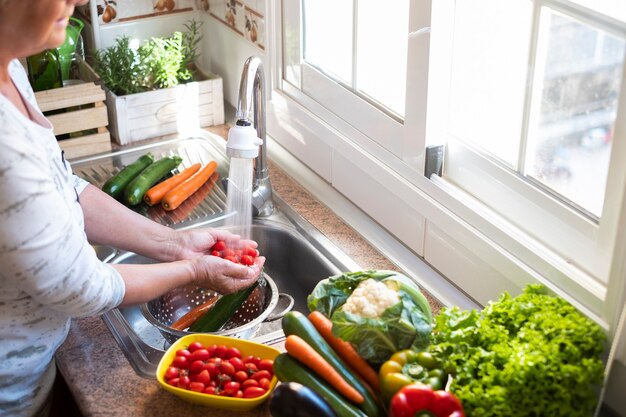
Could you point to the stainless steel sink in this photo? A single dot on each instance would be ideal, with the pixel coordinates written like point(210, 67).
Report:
point(297, 254)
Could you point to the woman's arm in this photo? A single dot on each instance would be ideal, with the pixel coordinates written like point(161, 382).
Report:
point(146, 282)
point(108, 222)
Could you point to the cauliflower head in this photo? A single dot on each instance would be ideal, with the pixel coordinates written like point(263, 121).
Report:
point(370, 298)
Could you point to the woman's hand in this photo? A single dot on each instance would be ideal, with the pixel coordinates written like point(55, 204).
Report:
point(224, 276)
point(197, 242)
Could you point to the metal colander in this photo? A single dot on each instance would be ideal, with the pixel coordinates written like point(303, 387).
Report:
point(165, 310)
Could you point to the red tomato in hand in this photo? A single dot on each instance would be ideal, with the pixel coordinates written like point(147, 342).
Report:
point(219, 246)
point(246, 260)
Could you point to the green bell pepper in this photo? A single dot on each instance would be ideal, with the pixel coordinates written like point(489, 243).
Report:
point(407, 367)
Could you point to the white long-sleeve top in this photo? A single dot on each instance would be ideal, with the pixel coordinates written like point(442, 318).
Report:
point(48, 271)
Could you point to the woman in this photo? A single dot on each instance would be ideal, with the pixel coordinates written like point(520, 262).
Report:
point(49, 218)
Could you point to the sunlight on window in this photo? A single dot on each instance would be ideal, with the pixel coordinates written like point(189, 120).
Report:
point(489, 70)
point(372, 61)
point(381, 52)
point(613, 8)
point(328, 37)
point(579, 71)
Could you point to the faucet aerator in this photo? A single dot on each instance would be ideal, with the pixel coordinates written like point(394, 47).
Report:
point(243, 142)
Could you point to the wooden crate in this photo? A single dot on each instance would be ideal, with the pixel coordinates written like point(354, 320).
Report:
point(155, 113)
point(78, 111)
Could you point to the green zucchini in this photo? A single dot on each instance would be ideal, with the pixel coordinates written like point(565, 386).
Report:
point(133, 193)
point(222, 311)
point(116, 184)
point(297, 323)
point(288, 369)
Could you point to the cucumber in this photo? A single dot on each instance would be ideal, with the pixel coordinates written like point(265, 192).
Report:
point(222, 311)
point(116, 184)
point(288, 369)
point(297, 323)
point(134, 191)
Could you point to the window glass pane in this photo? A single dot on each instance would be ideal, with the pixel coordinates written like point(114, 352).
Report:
point(579, 71)
point(328, 37)
point(489, 70)
point(613, 8)
point(382, 34)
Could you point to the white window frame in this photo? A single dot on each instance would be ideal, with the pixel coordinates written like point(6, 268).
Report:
point(321, 139)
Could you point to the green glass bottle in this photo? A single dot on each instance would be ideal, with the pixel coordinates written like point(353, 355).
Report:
point(44, 70)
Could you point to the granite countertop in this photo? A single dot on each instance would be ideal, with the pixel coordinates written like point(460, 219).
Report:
point(98, 374)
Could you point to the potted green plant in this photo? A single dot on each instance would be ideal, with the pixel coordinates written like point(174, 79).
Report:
point(155, 88)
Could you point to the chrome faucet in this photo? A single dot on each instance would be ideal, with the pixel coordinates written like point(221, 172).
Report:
point(251, 110)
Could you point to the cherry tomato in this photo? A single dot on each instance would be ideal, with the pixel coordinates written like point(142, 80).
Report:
point(238, 394)
point(231, 388)
point(183, 382)
point(209, 390)
point(246, 260)
point(250, 383)
point(227, 368)
point(238, 364)
point(252, 359)
point(173, 381)
point(261, 374)
point(264, 383)
point(251, 367)
point(216, 253)
point(196, 386)
point(181, 362)
point(211, 368)
point(200, 355)
point(194, 346)
point(266, 365)
point(232, 259)
point(173, 372)
point(204, 377)
point(233, 352)
point(211, 349)
point(220, 245)
point(183, 352)
point(220, 351)
point(196, 367)
point(252, 392)
point(250, 251)
point(239, 376)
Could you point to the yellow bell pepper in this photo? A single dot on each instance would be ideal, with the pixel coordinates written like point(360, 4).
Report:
point(407, 367)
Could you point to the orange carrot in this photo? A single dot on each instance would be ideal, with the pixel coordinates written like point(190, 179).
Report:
point(194, 314)
point(176, 196)
point(344, 349)
point(155, 194)
point(299, 349)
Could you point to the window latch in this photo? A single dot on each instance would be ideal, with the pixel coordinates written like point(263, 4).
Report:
point(434, 160)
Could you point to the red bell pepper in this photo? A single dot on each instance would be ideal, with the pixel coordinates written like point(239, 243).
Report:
point(415, 399)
